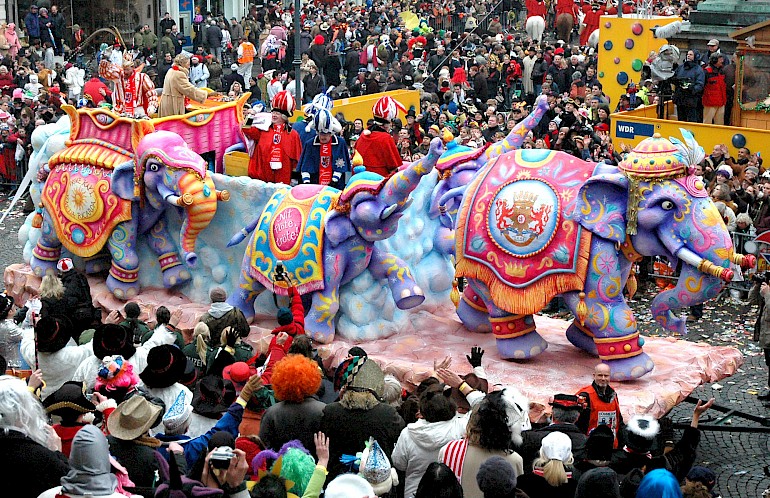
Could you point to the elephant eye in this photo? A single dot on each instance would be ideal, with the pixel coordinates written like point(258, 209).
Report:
point(667, 205)
point(153, 167)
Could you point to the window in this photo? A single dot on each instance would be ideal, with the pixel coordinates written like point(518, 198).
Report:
point(754, 77)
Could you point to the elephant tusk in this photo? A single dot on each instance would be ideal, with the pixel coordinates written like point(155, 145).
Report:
point(743, 260)
point(223, 195)
point(388, 211)
point(703, 265)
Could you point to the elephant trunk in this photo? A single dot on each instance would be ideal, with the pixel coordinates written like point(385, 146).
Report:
point(404, 181)
point(519, 132)
point(199, 212)
point(694, 287)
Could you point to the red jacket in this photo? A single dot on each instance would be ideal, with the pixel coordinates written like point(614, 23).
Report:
point(379, 152)
point(91, 88)
point(259, 162)
point(715, 90)
point(277, 351)
point(536, 8)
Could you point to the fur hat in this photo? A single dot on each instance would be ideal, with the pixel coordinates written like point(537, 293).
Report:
point(641, 433)
point(111, 339)
point(133, 418)
point(360, 373)
point(213, 396)
point(69, 401)
point(496, 477)
point(283, 102)
point(53, 333)
point(165, 366)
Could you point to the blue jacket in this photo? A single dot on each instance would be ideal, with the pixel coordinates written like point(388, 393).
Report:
point(310, 159)
point(32, 23)
point(304, 136)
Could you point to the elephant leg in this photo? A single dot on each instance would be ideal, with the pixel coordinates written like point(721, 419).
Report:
point(248, 287)
point(579, 335)
point(97, 263)
point(473, 312)
point(444, 241)
point(609, 318)
point(406, 293)
point(46, 253)
point(174, 272)
point(123, 278)
point(516, 335)
point(319, 322)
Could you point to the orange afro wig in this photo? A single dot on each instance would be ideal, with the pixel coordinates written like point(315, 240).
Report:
point(295, 378)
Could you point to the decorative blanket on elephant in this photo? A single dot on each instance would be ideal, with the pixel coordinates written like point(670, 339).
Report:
point(514, 231)
point(290, 232)
point(83, 209)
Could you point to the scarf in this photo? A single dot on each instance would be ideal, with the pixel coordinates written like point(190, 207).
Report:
point(325, 167)
point(276, 152)
point(129, 94)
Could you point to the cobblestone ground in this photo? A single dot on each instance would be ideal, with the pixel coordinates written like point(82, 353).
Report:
point(738, 458)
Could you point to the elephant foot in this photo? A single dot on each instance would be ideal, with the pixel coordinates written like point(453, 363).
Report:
point(517, 338)
point(44, 259)
point(318, 328)
point(97, 264)
point(473, 312)
point(240, 299)
point(624, 355)
point(582, 338)
point(630, 368)
point(410, 297)
point(123, 283)
point(174, 272)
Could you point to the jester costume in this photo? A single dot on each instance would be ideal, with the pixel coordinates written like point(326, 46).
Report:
point(325, 162)
point(134, 95)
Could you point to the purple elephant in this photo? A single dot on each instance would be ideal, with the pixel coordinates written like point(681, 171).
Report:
point(324, 238)
point(539, 223)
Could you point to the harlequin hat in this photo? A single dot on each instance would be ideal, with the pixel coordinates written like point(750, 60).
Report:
point(386, 109)
point(361, 373)
point(283, 102)
point(324, 122)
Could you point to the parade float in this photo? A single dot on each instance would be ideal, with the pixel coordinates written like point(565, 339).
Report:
point(523, 226)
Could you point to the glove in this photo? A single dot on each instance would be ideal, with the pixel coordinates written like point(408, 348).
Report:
point(305, 177)
point(253, 385)
point(475, 358)
point(229, 336)
point(336, 176)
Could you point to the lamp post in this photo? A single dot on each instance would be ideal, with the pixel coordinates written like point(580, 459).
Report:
point(297, 58)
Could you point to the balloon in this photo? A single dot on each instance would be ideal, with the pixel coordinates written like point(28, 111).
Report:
point(608, 45)
point(739, 140)
point(622, 78)
point(637, 29)
point(629, 44)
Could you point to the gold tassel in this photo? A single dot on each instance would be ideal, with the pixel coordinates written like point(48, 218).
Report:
point(455, 294)
point(631, 284)
point(582, 309)
point(37, 220)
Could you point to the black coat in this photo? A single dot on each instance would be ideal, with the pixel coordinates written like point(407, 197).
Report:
point(139, 460)
point(348, 430)
point(27, 467)
point(317, 54)
point(213, 36)
point(536, 486)
point(532, 440)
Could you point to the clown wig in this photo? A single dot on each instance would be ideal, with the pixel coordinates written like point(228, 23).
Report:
point(115, 378)
point(295, 378)
point(296, 465)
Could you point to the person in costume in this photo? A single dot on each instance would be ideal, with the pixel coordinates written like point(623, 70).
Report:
point(276, 148)
point(177, 89)
point(69, 403)
point(319, 102)
point(134, 90)
point(593, 14)
point(325, 158)
point(375, 145)
point(601, 403)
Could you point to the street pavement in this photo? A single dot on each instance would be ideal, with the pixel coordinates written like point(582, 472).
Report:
point(738, 458)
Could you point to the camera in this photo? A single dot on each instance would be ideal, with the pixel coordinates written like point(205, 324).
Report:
point(20, 315)
point(761, 278)
point(280, 273)
point(221, 457)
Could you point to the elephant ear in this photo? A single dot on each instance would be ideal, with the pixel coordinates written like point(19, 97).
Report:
point(601, 206)
point(123, 181)
point(339, 228)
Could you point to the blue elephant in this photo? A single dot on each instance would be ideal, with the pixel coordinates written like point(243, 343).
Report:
point(111, 196)
point(539, 223)
point(324, 238)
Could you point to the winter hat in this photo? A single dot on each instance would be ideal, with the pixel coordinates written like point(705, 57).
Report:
point(68, 402)
point(64, 265)
point(112, 339)
point(238, 373)
point(53, 333)
point(133, 418)
point(18, 93)
point(360, 373)
point(599, 444)
point(496, 477)
point(386, 109)
point(641, 432)
point(283, 102)
point(284, 316)
point(375, 468)
point(179, 413)
point(318, 40)
point(601, 482)
point(218, 295)
point(165, 366)
point(213, 396)
point(347, 486)
point(725, 171)
point(703, 475)
point(6, 303)
point(753, 169)
point(556, 446)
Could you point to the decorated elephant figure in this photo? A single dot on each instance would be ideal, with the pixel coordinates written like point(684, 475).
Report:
point(458, 165)
point(324, 238)
point(539, 223)
point(95, 195)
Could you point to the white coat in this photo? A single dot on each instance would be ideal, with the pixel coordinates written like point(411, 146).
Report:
point(58, 367)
